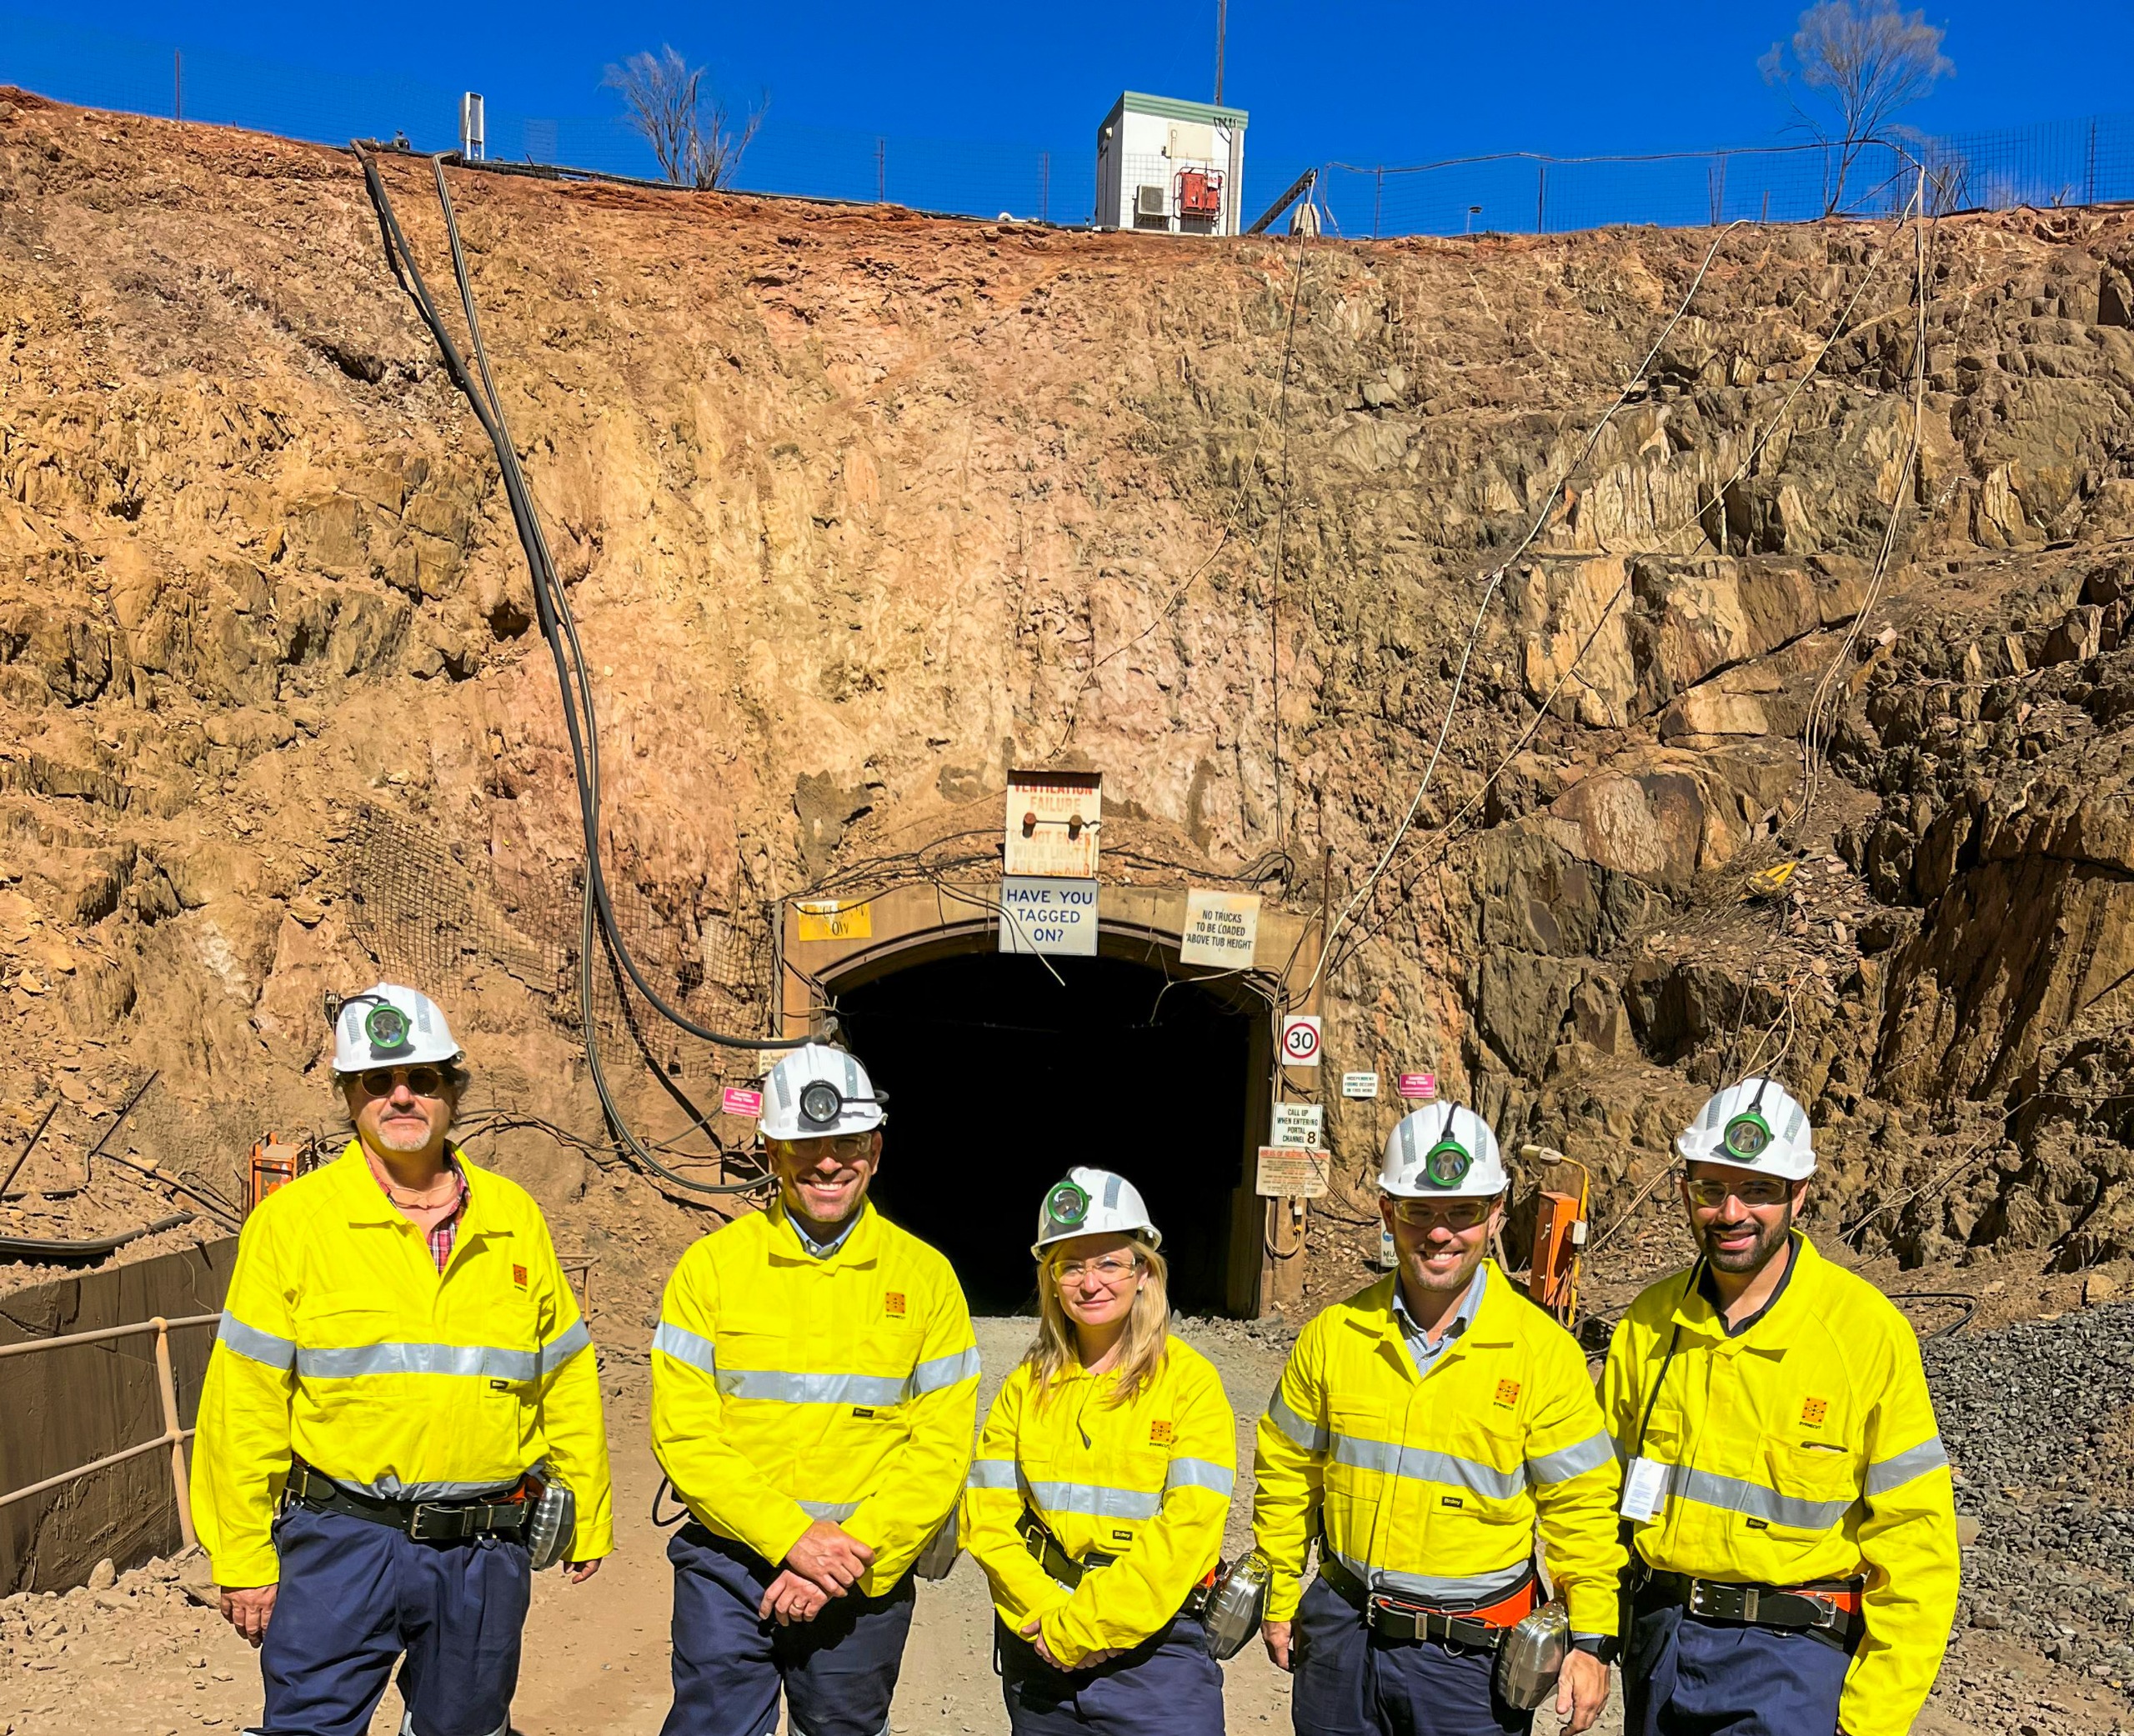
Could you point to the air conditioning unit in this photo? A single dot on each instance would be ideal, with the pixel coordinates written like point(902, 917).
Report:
point(1150, 201)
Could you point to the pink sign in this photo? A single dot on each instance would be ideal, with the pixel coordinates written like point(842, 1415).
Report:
point(1419, 1087)
point(735, 1101)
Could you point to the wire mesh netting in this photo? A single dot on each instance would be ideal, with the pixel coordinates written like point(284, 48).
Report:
point(2070, 162)
point(430, 917)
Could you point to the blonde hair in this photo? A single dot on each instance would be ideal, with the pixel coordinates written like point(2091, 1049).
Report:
point(1054, 1351)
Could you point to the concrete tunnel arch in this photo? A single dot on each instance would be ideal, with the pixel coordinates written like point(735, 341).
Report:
point(1000, 1076)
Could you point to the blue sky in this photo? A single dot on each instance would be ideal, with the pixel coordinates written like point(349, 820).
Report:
point(1334, 79)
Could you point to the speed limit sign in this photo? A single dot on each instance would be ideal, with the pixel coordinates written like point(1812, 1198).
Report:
point(1301, 1040)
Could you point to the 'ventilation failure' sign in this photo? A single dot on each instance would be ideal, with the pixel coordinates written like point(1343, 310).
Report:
point(1053, 821)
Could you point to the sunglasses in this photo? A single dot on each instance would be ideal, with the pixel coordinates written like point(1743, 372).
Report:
point(422, 1081)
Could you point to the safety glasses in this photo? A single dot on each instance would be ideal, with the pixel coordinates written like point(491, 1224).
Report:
point(1111, 1270)
point(422, 1081)
point(845, 1147)
point(1457, 1215)
point(1751, 1190)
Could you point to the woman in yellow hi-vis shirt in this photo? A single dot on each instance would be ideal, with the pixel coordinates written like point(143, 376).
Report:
point(1102, 1480)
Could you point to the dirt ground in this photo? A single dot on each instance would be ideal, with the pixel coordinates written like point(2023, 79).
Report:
point(144, 1657)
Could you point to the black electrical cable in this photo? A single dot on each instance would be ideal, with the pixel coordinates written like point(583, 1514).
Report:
point(638, 1149)
point(552, 608)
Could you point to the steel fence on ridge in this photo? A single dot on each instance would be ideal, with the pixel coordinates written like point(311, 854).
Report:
point(2073, 162)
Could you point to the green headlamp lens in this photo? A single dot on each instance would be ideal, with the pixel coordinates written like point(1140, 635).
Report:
point(1747, 1136)
point(1446, 1164)
point(386, 1026)
point(1066, 1205)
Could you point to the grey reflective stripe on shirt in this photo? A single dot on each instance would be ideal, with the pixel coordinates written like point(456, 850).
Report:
point(781, 1389)
point(1093, 1500)
point(1307, 1435)
point(1566, 1462)
point(1894, 1473)
point(686, 1346)
point(352, 1362)
point(945, 1371)
point(565, 1345)
point(1733, 1494)
point(992, 1474)
point(1200, 1473)
point(1427, 1465)
point(834, 1510)
point(1483, 1589)
point(257, 1346)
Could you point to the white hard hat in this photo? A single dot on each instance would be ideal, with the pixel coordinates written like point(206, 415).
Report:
point(1755, 1125)
point(389, 1025)
point(817, 1091)
point(1443, 1151)
point(1093, 1203)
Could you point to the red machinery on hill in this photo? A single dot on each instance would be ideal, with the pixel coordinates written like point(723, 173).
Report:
point(1198, 192)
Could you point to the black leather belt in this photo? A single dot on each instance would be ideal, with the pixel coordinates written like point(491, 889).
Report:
point(427, 1522)
point(1045, 1549)
point(1392, 1616)
point(1811, 1608)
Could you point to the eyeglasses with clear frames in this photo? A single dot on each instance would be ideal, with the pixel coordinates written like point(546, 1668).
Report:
point(843, 1146)
point(1751, 1190)
point(1458, 1215)
point(1111, 1270)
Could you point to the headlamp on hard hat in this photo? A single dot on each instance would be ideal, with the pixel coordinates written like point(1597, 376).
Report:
point(1446, 1164)
point(1066, 1205)
point(385, 1025)
point(1746, 1138)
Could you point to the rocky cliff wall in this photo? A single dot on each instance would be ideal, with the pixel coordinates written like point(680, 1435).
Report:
point(859, 508)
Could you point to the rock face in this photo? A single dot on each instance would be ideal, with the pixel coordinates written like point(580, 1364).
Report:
point(859, 509)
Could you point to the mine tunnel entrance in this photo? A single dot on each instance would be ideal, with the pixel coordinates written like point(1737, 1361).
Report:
point(1000, 1078)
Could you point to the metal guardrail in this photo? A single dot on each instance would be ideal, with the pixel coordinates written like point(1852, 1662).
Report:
point(172, 1436)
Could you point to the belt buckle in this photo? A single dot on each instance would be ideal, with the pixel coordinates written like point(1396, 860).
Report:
point(1827, 1611)
point(417, 1520)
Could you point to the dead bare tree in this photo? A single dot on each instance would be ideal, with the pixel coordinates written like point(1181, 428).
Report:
point(690, 128)
point(1863, 62)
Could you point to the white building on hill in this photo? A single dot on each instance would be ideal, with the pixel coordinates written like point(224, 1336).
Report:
point(1171, 166)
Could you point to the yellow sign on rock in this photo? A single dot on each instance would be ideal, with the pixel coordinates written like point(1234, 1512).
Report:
point(827, 919)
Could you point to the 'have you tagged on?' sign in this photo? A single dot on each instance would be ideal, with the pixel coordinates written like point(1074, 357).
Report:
point(1049, 916)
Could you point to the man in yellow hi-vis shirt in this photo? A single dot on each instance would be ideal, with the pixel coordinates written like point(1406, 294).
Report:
point(402, 1370)
point(815, 1388)
point(1794, 1566)
point(1424, 1433)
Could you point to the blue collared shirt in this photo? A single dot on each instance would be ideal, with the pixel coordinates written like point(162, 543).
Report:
point(1424, 1353)
point(823, 1250)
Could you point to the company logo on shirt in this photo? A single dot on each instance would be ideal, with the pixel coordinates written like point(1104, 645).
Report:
point(1813, 1412)
point(1507, 1394)
point(893, 1303)
point(518, 1276)
point(1160, 1434)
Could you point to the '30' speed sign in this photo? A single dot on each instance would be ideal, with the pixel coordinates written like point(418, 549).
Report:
point(1301, 1040)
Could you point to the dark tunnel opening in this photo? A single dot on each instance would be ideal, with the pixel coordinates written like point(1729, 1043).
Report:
point(1000, 1078)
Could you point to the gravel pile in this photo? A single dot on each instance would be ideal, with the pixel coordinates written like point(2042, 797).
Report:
point(2039, 1422)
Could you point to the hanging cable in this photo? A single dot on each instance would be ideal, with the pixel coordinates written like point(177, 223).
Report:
point(552, 606)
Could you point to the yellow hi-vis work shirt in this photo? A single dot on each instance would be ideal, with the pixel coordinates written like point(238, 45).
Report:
point(788, 1389)
point(342, 1343)
point(1435, 1487)
point(1804, 1448)
point(1148, 1481)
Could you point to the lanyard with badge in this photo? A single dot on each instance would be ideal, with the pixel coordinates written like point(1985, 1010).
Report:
point(1645, 1482)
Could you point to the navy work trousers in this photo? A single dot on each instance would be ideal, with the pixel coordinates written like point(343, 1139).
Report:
point(1685, 1676)
point(354, 1596)
point(1166, 1686)
point(839, 1671)
point(1351, 1682)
